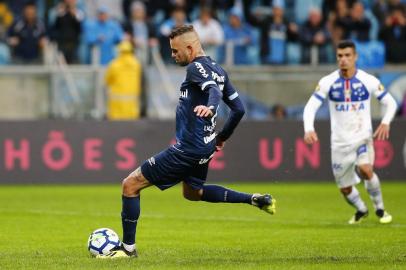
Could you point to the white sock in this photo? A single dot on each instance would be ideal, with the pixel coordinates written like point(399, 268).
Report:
point(355, 200)
point(129, 248)
point(373, 187)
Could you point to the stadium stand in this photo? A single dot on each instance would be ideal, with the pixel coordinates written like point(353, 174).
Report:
point(277, 33)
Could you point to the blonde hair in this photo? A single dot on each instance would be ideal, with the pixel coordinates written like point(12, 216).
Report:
point(180, 30)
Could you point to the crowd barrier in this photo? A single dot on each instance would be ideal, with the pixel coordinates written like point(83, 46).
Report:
point(98, 151)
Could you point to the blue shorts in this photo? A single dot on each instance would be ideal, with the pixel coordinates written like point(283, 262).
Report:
point(172, 166)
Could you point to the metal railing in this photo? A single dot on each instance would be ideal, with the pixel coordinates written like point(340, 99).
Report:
point(58, 90)
point(77, 91)
point(163, 107)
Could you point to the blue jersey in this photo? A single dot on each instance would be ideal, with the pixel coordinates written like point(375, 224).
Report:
point(195, 135)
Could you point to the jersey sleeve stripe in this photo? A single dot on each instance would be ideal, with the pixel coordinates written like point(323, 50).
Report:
point(207, 83)
point(318, 97)
point(382, 95)
point(233, 96)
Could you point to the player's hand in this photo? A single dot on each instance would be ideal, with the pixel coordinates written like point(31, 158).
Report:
point(310, 137)
point(382, 132)
point(220, 145)
point(203, 111)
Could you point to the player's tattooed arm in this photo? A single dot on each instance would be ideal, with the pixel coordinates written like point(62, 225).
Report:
point(212, 104)
point(237, 111)
point(219, 144)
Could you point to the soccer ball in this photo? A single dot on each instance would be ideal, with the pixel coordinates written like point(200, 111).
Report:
point(102, 240)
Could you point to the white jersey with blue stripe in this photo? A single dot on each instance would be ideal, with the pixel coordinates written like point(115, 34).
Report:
point(349, 103)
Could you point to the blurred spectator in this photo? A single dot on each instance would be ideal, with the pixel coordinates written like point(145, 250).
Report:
point(141, 32)
point(4, 54)
point(314, 33)
point(275, 32)
point(27, 36)
point(6, 19)
point(221, 8)
point(383, 8)
point(158, 10)
point(103, 33)
point(178, 18)
point(240, 36)
point(393, 34)
point(330, 7)
point(302, 9)
point(152, 7)
point(220, 4)
point(210, 32)
point(340, 11)
point(17, 7)
point(114, 8)
point(66, 30)
point(380, 9)
point(355, 26)
point(123, 78)
point(278, 112)
point(186, 5)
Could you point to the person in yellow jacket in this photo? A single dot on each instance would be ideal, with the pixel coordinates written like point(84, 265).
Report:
point(123, 79)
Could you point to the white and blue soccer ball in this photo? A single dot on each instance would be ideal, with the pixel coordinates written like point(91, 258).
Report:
point(102, 241)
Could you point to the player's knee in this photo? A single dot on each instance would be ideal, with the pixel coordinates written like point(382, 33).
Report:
point(365, 171)
point(128, 186)
point(132, 184)
point(191, 195)
point(346, 190)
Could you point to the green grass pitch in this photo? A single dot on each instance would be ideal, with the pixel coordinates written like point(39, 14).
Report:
point(46, 227)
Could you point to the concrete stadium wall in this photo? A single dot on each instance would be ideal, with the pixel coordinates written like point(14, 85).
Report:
point(95, 152)
point(24, 97)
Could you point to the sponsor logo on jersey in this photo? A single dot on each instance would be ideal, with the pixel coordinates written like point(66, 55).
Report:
point(360, 93)
point(217, 77)
point(337, 85)
point(356, 85)
point(201, 69)
point(317, 88)
point(208, 139)
point(205, 160)
point(336, 94)
point(350, 107)
point(184, 94)
point(209, 128)
point(151, 161)
point(362, 149)
point(337, 167)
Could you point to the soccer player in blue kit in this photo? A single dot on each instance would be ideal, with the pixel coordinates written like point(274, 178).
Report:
point(187, 161)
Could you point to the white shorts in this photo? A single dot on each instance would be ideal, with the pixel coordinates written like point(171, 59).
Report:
point(345, 159)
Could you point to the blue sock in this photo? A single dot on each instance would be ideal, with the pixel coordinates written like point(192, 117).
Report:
point(214, 193)
point(129, 218)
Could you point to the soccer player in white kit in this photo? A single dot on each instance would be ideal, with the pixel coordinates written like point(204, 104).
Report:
point(349, 91)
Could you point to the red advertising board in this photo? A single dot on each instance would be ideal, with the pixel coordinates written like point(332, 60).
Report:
point(93, 152)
